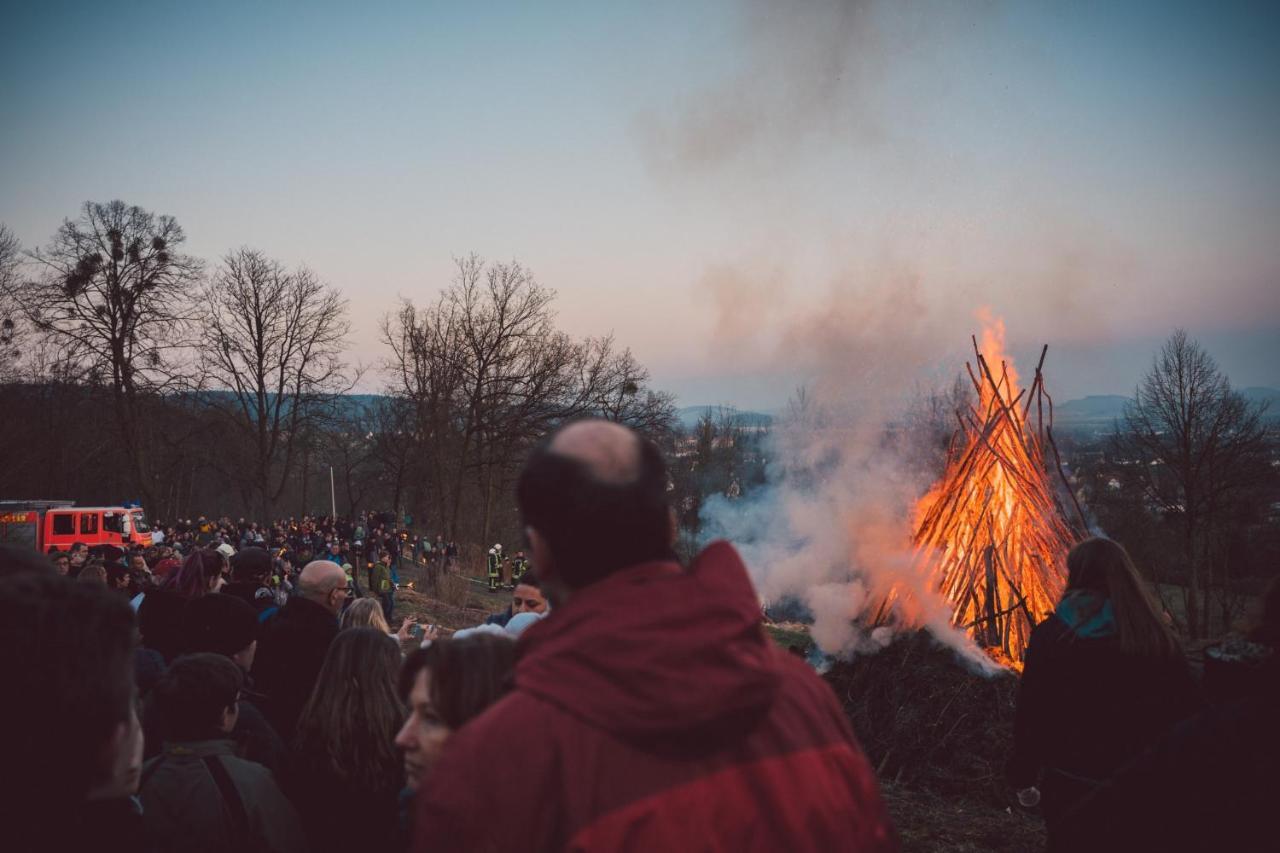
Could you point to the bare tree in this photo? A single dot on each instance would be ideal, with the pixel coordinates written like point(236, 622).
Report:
point(393, 450)
point(483, 366)
point(485, 373)
point(114, 291)
point(11, 326)
point(1202, 447)
point(611, 385)
point(350, 443)
point(272, 343)
point(428, 379)
point(929, 427)
point(512, 364)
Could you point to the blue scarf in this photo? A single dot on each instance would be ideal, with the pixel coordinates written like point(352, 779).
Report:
point(1088, 614)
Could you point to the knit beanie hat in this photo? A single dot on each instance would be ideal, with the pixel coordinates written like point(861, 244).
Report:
point(221, 624)
point(250, 564)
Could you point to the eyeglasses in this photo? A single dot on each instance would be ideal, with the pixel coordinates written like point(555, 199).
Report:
point(345, 590)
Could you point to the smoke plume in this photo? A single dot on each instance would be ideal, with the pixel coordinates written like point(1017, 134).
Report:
point(832, 529)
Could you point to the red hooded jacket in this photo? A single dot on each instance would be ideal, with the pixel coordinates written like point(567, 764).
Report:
point(652, 713)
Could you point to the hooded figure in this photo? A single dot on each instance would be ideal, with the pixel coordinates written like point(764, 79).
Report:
point(650, 710)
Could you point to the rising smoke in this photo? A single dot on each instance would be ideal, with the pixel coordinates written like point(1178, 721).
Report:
point(812, 70)
point(873, 319)
point(832, 529)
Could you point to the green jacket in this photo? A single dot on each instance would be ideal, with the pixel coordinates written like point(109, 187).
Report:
point(184, 806)
point(381, 578)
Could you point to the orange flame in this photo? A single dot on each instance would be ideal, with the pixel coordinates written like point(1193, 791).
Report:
point(990, 532)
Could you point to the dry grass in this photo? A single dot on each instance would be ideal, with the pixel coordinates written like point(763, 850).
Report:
point(929, 723)
point(432, 611)
point(449, 600)
point(927, 822)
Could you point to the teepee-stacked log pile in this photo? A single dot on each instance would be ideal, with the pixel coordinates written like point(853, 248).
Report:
point(993, 531)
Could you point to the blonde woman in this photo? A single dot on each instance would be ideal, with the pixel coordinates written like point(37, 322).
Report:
point(367, 613)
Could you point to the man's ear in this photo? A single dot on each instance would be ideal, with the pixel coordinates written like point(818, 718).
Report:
point(229, 716)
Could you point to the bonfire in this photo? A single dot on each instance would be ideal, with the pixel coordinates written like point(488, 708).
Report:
point(993, 533)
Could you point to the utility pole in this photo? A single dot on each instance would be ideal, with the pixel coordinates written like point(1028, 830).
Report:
point(333, 496)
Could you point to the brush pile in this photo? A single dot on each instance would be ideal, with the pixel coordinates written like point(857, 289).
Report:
point(927, 722)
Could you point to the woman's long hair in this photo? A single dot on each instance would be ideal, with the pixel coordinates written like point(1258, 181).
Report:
point(196, 574)
point(467, 675)
point(1104, 566)
point(365, 613)
point(350, 722)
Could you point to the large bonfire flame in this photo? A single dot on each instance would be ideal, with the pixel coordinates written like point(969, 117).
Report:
point(991, 533)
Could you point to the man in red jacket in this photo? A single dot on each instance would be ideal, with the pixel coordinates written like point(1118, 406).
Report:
point(665, 718)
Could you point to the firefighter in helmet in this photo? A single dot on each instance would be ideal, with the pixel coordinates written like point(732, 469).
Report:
point(519, 565)
point(495, 567)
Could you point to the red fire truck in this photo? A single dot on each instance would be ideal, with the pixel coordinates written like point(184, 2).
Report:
point(49, 525)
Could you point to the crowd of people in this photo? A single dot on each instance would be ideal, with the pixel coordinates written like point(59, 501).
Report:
point(234, 688)
point(369, 549)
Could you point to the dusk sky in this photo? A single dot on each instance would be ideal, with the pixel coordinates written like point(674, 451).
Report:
point(744, 193)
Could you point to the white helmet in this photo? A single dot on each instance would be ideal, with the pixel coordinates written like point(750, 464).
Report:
point(497, 547)
point(491, 551)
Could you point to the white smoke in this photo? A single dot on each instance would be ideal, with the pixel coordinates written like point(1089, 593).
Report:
point(832, 529)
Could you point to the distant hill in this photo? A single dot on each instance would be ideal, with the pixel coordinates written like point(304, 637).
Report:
point(1271, 396)
point(347, 404)
point(690, 415)
point(1095, 408)
point(1093, 411)
point(361, 404)
point(1098, 409)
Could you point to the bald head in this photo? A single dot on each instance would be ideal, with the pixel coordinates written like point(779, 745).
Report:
point(610, 452)
point(594, 498)
point(319, 579)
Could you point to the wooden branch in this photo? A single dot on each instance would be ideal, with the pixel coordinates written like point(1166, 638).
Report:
point(1057, 458)
point(1039, 378)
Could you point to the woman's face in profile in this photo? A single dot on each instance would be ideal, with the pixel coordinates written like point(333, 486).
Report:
point(424, 733)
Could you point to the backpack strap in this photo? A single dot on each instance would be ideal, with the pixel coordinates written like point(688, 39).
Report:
point(230, 797)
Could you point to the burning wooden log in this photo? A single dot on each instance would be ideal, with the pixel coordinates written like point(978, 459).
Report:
point(992, 532)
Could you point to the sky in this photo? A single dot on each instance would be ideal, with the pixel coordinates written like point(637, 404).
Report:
point(750, 195)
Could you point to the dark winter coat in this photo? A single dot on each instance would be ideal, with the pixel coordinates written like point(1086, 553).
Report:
point(341, 817)
point(291, 650)
point(1209, 784)
point(186, 807)
point(1085, 708)
point(500, 619)
point(94, 825)
point(161, 623)
point(651, 712)
point(256, 595)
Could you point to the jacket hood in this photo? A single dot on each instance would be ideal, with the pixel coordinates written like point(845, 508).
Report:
point(656, 652)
